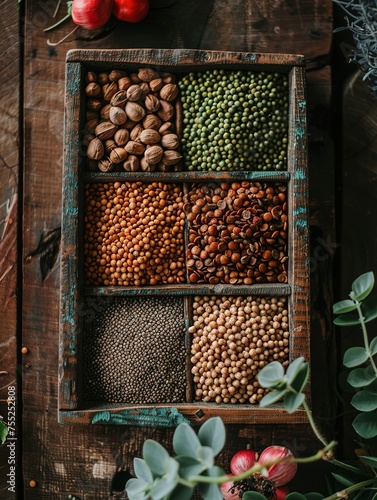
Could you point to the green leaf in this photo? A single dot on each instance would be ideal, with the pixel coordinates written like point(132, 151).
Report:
point(295, 496)
point(211, 491)
point(361, 377)
point(212, 433)
point(344, 306)
point(313, 496)
point(293, 401)
point(373, 346)
point(142, 470)
point(136, 489)
point(363, 285)
point(368, 309)
point(206, 456)
point(342, 480)
point(172, 469)
point(156, 457)
point(271, 376)
point(365, 425)
point(3, 432)
point(364, 401)
point(162, 488)
point(189, 466)
point(181, 492)
point(272, 397)
point(301, 378)
point(253, 495)
point(355, 356)
point(372, 387)
point(371, 461)
point(293, 369)
point(185, 441)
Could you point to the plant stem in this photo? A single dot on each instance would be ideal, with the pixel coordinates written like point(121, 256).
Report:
point(355, 487)
point(312, 424)
point(365, 335)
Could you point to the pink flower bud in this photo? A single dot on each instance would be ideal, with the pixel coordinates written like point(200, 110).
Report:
point(242, 461)
point(282, 472)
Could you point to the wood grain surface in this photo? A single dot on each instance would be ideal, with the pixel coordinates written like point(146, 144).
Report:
point(81, 460)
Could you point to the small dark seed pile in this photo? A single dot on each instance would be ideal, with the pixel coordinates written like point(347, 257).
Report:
point(234, 120)
point(134, 351)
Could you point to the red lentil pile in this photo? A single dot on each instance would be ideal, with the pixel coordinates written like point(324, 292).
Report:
point(134, 234)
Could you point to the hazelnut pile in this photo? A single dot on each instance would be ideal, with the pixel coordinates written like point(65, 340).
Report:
point(131, 121)
point(232, 339)
point(134, 234)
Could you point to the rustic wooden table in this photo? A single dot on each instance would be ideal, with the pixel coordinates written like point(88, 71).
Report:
point(55, 461)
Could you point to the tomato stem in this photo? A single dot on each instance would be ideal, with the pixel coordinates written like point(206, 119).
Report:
point(53, 44)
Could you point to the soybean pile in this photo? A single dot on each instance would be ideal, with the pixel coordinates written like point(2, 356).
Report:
point(232, 339)
point(134, 351)
point(234, 120)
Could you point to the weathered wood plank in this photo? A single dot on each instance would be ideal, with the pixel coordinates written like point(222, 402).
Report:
point(9, 223)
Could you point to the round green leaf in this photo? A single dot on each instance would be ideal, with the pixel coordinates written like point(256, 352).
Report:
point(295, 496)
point(312, 495)
point(364, 401)
point(162, 488)
point(271, 375)
point(372, 387)
point(156, 457)
point(212, 434)
point(363, 285)
point(142, 470)
point(211, 491)
point(344, 306)
point(190, 466)
point(301, 378)
point(292, 401)
point(206, 456)
point(373, 346)
point(365, 425)
point(3, 432)
point(135, 488)
point(294, 368)
point(185, 441)
point(181, 492)
point(368, 309)
point(355, 356)
point(271, 397)
point(361, 377)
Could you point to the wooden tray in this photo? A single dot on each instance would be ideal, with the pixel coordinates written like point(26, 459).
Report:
point(73, 408)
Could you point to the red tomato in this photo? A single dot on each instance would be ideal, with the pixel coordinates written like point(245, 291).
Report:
point(91, 14)
point(130, 11)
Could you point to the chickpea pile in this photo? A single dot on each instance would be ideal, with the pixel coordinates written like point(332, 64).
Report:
point(134, 234)
point(232, 339)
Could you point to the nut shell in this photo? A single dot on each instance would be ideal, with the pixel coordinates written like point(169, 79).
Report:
point(118, 155)
point(169, 92)
point(153, 154)
point(95, 149)
point(134, 148)
point(135, 111)
point(105, 130)
point(149, 136)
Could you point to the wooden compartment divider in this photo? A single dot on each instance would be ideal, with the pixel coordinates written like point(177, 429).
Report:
point(72, 407)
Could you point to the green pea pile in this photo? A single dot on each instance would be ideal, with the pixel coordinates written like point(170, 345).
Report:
point(234, 120)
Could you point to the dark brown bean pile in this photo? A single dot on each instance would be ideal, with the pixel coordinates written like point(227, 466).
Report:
point(134, 234)
point(134, 351)
point(237, 233)
point(232, 339)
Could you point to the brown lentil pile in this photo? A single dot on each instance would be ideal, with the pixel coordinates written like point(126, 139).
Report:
point(131, 121)
point(237, 233)
point(134, 234)
point(232, 339)
point(134, 351)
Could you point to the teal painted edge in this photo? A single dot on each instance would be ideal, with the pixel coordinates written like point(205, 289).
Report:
point(154, 417)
